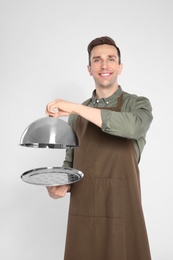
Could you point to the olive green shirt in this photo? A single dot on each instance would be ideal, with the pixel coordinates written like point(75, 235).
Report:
point(132, 122)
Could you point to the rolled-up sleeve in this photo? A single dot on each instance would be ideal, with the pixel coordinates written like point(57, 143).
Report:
point(68, 162)
point(132, 122)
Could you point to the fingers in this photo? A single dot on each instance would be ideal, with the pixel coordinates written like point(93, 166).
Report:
point(57, 108)
point(57, 192)
point(52, 109)
point(61, 108)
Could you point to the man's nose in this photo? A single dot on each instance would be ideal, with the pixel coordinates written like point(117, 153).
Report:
point(104, 64)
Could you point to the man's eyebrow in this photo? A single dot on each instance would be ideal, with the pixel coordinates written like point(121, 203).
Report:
point(109, 56)
point(96, 57)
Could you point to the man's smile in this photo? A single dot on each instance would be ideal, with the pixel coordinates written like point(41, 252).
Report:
point(105, 74)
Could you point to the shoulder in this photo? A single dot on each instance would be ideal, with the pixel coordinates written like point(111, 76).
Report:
point(135, 100)
point(86, 102)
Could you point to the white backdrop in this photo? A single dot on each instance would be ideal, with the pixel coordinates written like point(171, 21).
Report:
point(43, 57)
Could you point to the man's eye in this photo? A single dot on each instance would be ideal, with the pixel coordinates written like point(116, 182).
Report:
point(111, 59)
point(97, 60)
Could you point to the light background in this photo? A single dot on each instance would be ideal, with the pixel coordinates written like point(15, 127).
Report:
point(43, 57)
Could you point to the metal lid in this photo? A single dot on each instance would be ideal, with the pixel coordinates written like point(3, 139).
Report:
point(49, 132)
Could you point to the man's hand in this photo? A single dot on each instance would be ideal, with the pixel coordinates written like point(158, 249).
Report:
point(60, 108)
point(57, 192)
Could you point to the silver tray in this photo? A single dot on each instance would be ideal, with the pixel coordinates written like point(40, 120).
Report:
point(52, 176)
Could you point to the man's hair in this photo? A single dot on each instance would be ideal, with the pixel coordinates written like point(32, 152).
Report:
point(100, 41)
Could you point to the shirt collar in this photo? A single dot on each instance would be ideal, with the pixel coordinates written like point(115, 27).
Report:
point(109, 99)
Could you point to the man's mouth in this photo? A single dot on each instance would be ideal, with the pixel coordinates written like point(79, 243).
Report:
point(105, 74)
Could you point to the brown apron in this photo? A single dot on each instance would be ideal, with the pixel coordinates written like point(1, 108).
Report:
point(105, 216)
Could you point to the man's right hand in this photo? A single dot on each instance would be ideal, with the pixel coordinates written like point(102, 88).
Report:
point(57, 192)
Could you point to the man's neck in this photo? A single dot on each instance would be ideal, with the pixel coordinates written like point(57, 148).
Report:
point(105, 92)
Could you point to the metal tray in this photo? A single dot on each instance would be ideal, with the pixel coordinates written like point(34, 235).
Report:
point(52, 176)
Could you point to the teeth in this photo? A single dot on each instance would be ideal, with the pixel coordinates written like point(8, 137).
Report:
point(105, 75)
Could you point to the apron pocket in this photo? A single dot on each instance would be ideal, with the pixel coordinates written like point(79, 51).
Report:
point(97, 197)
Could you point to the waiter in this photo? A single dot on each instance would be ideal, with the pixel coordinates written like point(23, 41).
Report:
point(106, 219)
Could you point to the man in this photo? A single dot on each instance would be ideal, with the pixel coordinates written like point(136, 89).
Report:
point(105, 216)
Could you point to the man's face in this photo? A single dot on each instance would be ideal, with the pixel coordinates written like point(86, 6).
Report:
point(104, 66)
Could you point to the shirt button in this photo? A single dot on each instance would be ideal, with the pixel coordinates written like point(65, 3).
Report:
point(97, 101)
point(107, 102)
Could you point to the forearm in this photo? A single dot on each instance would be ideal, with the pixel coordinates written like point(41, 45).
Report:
point(91, 114)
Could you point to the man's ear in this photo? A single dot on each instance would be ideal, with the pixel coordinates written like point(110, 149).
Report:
point(120, 68)
point(89, 70)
